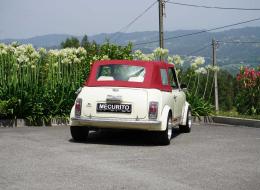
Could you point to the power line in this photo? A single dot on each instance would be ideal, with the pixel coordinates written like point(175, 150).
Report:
point(199, 50)
point(214, 7)
point(240, 42)
point(200, 32)
point(126, 27)
point(220, 41)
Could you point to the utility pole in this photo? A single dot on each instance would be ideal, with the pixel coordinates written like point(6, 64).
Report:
point(214, 63)
point(161, 13)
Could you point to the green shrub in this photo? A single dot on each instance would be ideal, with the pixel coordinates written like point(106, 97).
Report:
point(248, 94)
point(40, 85)
point(199, 106)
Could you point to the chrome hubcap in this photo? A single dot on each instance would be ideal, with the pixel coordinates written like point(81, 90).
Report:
point(189, 119)
point(169, 128)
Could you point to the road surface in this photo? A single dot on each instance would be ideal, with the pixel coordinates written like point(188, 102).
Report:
point(210, 157)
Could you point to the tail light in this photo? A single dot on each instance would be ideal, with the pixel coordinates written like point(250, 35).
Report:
point(78, 107)
point(153, 110)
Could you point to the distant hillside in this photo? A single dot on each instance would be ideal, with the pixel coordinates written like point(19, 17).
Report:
point(229, 55)
point(47, 41)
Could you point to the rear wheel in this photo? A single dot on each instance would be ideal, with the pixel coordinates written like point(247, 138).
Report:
point(164, 137)
point(187, 127)
point(79, 133)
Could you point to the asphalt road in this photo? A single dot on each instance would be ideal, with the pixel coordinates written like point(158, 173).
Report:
point(210, 157)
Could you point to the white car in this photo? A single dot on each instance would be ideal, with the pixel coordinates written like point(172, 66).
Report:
point(122, 94)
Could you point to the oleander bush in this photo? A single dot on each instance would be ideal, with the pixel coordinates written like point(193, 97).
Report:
point(248, 94)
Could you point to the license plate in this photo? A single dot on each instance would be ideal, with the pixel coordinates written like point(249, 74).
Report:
point(117, 108)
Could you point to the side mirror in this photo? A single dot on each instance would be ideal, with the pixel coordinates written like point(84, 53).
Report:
point(78, 91)
point(183, 86)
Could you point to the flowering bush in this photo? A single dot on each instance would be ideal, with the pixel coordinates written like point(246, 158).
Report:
point(40, 84)
point(248, 97)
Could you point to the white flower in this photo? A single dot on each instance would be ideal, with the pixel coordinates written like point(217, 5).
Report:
point(42, 51)
point(197, 61)
point(35, 55)
point(160, 52)
point(138, 55)
point(54, 52)
point(194, 65)
point(3, 52)
point(212, 68)
point(81, 50)
point(177, 60)
point(215, 68)
point(201, 70)
point(165, 52)
point(76, 60)
point(65, 61)
point(22, 59)
point(170, 59)
point(209, 67)
point(105, 57)
point(178, 71)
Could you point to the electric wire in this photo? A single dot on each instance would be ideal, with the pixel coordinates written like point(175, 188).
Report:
point(239, 42)
point(199, 32)
point(213, 7)
point(126, 27)
point(199, 50)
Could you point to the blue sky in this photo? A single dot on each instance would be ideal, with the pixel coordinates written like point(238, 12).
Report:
point(28, 18)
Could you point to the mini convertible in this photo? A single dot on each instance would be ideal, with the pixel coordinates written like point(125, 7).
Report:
point(123, 94)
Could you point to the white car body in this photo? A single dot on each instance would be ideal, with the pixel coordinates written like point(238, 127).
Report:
point(139, 99)
point(152, 107)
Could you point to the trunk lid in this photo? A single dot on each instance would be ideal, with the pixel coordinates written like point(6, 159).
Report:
point(114, 102)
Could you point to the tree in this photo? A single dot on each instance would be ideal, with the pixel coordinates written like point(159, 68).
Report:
point(70, 42)
point(84, 42)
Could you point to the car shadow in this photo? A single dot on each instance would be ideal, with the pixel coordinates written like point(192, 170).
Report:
point(124, 137)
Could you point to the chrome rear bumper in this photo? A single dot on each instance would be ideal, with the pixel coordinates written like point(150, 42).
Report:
point(116, 123)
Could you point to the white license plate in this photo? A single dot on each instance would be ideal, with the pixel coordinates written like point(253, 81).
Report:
point(111, 107)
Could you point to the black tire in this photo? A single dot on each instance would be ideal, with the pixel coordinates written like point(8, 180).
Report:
point(187, 127)
point(79, 133)
point(163, 137)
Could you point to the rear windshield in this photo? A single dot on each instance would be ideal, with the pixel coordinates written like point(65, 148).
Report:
point(120, 73)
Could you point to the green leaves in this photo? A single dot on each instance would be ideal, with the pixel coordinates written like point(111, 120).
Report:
point(248, 96)
point(40, 85)
point(199, 106)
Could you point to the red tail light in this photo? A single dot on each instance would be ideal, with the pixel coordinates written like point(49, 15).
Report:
point(153, 110)
point(78, 107)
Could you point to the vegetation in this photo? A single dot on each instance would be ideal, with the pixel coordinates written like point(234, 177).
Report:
point(70, 42)
point(40, 85)
point(248, 96)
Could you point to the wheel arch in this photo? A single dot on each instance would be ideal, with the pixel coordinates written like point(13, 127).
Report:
point(164, 117)
point(184, 113)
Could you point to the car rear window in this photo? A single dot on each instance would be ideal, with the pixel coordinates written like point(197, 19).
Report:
point(120, 72)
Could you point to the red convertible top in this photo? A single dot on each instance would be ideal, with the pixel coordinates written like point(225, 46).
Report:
point(152, 77)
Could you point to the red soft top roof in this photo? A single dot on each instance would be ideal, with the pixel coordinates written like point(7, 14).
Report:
point(152, 77)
